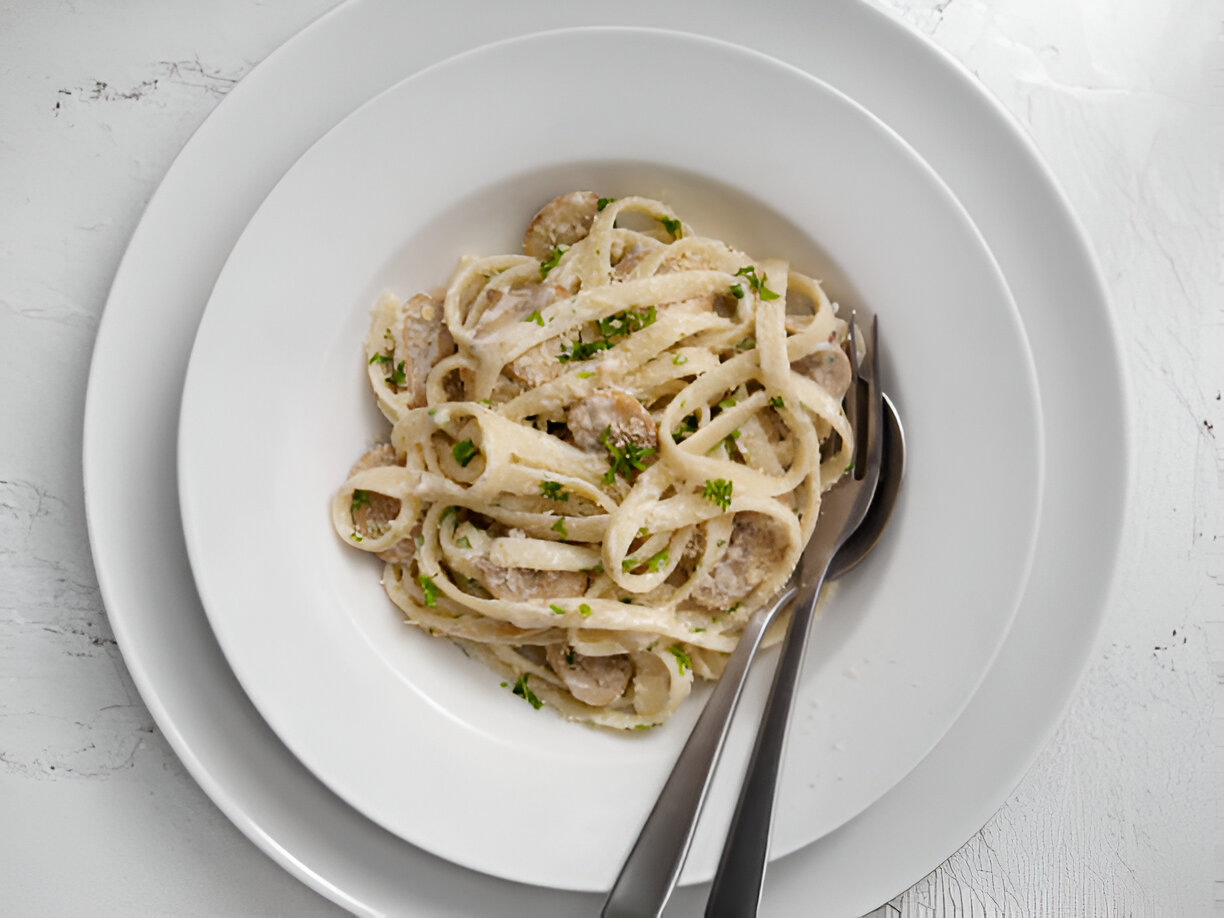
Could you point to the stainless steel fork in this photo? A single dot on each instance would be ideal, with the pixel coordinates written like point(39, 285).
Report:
point(653, 866)
point(736, 891)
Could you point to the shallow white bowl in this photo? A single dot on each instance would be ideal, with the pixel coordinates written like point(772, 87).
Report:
point(454, 160)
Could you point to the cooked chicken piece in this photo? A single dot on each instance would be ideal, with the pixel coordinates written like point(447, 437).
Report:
point(521, 584)
point(598, 681)
point(517, 304)
point(372, 517)
point(537, 365)
point(425, 341)
point(756, 540)
point(615, 411)
point(562, 221)
point(829, 368)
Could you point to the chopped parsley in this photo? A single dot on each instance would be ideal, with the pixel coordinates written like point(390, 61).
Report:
point(582, 350)
point(521, 689)
point(355, 537)
point(718, 491)
point(747, 344)
point(584, 610)
point(726, 403)
point(672, 226)
point(777, 402)
point(698, 630)
point(447, 514)
point(463, 451)
point(627, 565)
point(431, 591)
point(729, 441)
point(644, 726)
point(398, 377)
point(682, 659)
point(848, 468)
point(626, 322)
point(737, 291)
point(679, 359)
point(380, 358)
point(688, 427)
point(536, 318)
point(604, 202)
point(463, 542)
point(557, 610)
point(626, 460)
point(360, 499)
point(553, 490)
point(585, 374)
point(657, 561)
point(559, 526)
point(552, 260)
point(757, 283)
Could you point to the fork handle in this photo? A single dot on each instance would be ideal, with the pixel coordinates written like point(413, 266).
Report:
point(736, 891)
point(653, 866)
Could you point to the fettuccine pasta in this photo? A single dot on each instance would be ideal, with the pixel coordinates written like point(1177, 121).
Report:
point(605, 453)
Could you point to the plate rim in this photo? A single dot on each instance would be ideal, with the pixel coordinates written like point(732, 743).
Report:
point(1102, 587)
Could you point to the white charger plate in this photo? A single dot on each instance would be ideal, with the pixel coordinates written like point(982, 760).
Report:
point(245, 146)
point(276, 407)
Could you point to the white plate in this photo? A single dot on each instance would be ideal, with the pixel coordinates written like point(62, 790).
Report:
point(183, 240)
point(276, 407)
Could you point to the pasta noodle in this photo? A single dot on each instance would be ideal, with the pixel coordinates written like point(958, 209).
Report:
point(605, 453)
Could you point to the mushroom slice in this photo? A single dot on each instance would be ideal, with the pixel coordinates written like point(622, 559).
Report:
point(562, 221)
point(598, 681)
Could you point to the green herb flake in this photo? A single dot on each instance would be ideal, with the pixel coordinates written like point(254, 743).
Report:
point(380, 358)
point(355, 537)
point(554, 490)
point(463, 451)
point(657, 561)
point(505, 684)
point(747, 344)
point(626, 322)
point(682, 659)
point(718, 491)
point(582, 350)
point(523, 691)
point(431, 591)
point(757, 283)
point(679, 359)
point(737, 291)
point(688, 427)
point(585, 374)
point(447, 514)
point(777, 402)
point(626, 460)
point(727, 403)
point(672, 226)
point(464, 542)
point(398, 377)
point(604, 202)
point(698, 630)
point(556, 610)
point(360, 499)
point(559, 526)
point(627, 565)
point(644, 726)
point(552, 261)
point(584, 610)
point(536, 318)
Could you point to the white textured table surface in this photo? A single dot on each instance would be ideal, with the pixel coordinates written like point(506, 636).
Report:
point(1123, 812)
